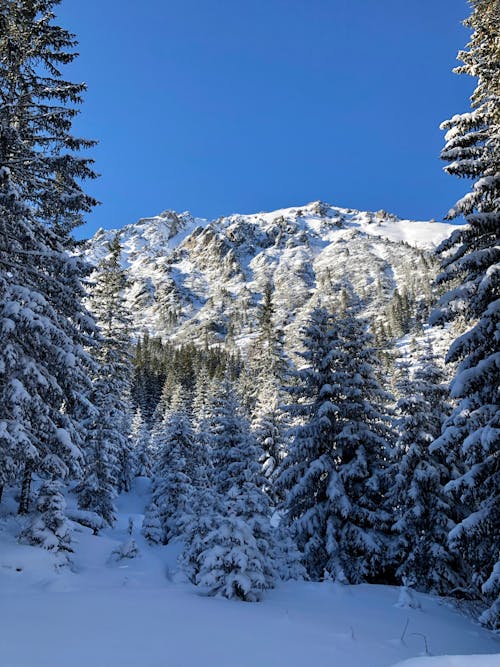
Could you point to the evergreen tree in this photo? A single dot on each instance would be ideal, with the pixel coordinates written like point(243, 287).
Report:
point(108, 451)
point(148, 376)
point(50, 529)
point(151, 525)
point(204, 388)
point(264, 385)
point(472, 257)
point(270, 429)
point(38, 151)
point(236, 556)
point(234, 450)
point(98, 489)
point(422, 511)
point(266, 364)
point(140, 436)
point(176, 470)
point(333, 476)
point(230, 547)
point(44, 328)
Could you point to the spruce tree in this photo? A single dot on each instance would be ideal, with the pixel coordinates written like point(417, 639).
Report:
point(266, 363)
point(44, 328)
point(151, 525)
point(108, 464)
point(422, 511)
point(140, 436)
point(176, 470)
point(201, 411)
point(269, 426)
point(471, 259)
point(50, 528)
point(230, 546)
point(334, 476)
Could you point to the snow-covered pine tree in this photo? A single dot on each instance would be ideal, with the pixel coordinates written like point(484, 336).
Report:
point(422, 511)
point(268, 418)
point(235, 454)
point(107, 465)
point(38, 105)
point(269, 426)
point(44, 328)
point(472, 258)
point(266, 361)
point(50, 529)
point(333, 477)
point(151, 525)
point(201, 398)
point(236, 559)
point(98, 489)
point(201, 410)
point(140, 436)
point(176, 469)
point(266, 374)
point(304, 475)
point(231, 548)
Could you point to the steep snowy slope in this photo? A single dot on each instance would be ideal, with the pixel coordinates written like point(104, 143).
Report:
point(197, 280)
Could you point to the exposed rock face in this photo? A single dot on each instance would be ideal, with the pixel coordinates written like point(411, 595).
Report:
point(197, 280)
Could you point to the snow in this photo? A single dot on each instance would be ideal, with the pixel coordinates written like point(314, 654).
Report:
point(454, 661)
point(179, 263)
point(141, 611)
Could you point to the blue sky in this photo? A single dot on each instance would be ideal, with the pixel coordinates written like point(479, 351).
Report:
point(224, 106)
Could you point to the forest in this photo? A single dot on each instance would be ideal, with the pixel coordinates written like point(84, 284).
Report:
point(357, 444)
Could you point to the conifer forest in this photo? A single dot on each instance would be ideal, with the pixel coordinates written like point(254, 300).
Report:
point(297, 409)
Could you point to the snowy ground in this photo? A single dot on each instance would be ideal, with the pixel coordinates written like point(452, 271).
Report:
point(142, 613)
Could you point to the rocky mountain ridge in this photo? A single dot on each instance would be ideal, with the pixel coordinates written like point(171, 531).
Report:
point(191, 279)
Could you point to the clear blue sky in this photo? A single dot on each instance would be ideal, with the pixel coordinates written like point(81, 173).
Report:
point(224, 106)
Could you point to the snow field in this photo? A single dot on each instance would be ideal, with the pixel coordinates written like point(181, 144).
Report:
point(141, 612)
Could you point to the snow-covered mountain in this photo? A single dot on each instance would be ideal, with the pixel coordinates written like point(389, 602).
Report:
point(197, 280)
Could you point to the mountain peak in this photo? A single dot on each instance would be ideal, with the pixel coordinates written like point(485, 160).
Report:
point(193, 279)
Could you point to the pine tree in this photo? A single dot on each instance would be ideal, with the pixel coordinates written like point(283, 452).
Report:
point(108, 464)
point(173, 483)
point(266, 376)
point(422, 511)
point(230, 547)
point(151, 525)
point(98, 489)
point(270, 428)
point(202, 396)
point(472, 256)
point(140, 436)
point(266, 364)
point(235, 454)
point(333, 476)
point(37, 148)
point(236, 556)
point(44, 328)
point(50, 528)
point(149, 376)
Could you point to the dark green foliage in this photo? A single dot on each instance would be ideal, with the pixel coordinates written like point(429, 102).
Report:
point(334, 475)
point(159, 368)
point(108, 464)
point(44, 328)
point(471, 263)
point(421, 512)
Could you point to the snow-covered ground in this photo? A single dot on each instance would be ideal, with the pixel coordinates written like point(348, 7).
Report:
point(142, 613)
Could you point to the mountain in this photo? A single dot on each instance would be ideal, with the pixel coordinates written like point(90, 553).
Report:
point(191, 279)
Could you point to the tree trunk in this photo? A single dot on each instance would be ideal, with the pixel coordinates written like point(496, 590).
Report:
point(24, 501)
